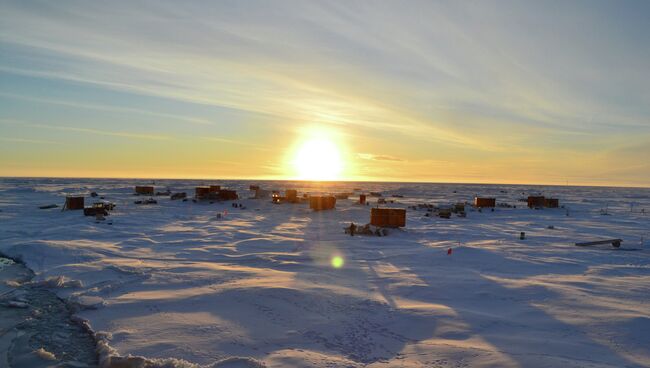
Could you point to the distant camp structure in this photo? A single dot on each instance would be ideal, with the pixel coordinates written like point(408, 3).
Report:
point(73, 203)
point(214, 192)
point(202, 192)
point(227, 195)
point(388, 217)
point(144, 190)
point(541, 202)
point(481, 202)
point(99, 208)
point(319, 203)
point(291, 195)
point(259, 193)
point(535, 201)
point(551, 202)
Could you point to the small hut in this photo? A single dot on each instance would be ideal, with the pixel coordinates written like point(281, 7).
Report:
point(536, 201)
point(388, 217)
point(481, 202)
point(215, 188)
point(74, 203)
point(319, 203)
point(144, 190)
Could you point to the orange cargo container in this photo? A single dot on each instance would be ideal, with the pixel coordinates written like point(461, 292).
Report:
point(388, 217)
point(144, 189)
point(74, 203)
point(536, 201)
point(485, 202)
point(552, 202)
point(202, 192)
point(318, 203)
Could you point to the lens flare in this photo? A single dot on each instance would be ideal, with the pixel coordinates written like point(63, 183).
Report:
point(337, 262)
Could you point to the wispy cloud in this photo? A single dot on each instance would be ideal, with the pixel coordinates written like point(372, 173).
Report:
point(373, 157)
point(25, 140)
point(256, 146)
point(88, 130)
point(119, 109)
point(105, 132)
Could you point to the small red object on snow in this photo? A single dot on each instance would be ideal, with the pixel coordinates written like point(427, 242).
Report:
point(449, 251)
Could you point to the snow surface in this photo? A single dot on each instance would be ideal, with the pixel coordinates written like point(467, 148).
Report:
point(256, 288)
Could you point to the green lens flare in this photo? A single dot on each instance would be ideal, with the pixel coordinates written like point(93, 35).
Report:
point(337, 262)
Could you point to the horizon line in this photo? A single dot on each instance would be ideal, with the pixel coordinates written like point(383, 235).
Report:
point(324, 181)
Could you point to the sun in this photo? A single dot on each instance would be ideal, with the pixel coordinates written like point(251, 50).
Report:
point(318, 158)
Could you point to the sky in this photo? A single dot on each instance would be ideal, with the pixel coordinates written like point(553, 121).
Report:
point(543, 92)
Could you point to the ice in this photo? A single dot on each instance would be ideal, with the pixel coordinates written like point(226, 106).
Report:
point(44, 354)
point(173, 285)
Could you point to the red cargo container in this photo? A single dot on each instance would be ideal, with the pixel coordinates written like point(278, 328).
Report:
point(485, 202)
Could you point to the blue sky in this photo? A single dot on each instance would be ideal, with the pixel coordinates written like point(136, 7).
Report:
point(473, 91)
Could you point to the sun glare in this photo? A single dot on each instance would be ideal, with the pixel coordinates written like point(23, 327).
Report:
point(318, 159)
